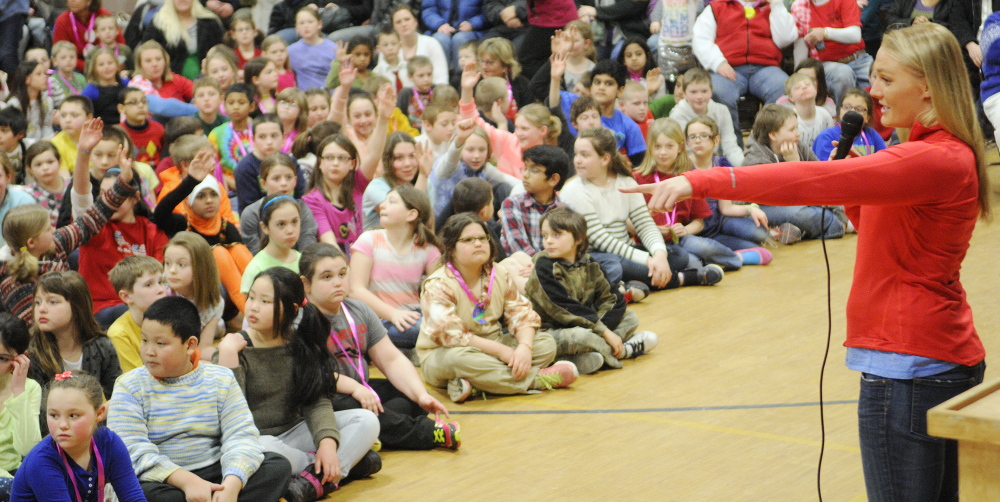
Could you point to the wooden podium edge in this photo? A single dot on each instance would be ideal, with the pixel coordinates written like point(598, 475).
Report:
point(949, 420)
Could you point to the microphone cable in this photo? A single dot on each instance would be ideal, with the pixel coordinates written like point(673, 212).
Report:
point(826, 355)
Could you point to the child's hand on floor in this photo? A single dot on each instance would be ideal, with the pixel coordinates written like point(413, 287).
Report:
point(327, 462)
point(615, 341)
point(367, 398)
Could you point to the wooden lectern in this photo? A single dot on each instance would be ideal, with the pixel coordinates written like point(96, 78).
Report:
point(973, 418)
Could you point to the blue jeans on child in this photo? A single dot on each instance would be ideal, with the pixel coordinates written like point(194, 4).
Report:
point(710, 251)
point(405, 339)
point(618, 268)
point(900, 461)
point(765, 82)
point(807, 218)
point(734, 233)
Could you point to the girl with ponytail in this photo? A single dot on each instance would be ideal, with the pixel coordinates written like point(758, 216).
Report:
point(388, 264)
point(284, 347)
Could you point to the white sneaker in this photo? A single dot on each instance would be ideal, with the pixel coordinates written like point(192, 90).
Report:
point(640, 343)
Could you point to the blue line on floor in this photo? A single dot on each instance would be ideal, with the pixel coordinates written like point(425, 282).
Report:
point(650, 410)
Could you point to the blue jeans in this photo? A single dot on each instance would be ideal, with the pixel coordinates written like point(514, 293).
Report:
point(765, 82)
point(900, 461)
point(807, 218)
point(711, 251)
point(734, 233)
point(452, 43)
point(840, 77)
point(618, 268)
point(406, 339)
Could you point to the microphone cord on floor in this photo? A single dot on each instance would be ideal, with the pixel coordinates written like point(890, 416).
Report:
point(826, 355)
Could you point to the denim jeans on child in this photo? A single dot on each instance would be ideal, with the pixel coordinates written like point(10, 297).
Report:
point(405, 339)
point(900, 461)
point(807, 218)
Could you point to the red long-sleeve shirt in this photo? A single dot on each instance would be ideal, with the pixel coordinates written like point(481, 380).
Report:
point(915, 206)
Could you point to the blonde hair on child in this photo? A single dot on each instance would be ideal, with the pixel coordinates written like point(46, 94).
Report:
point(186, 147)
point(489, 90)
point(206, 82)
point(62, 45)
point(929, 51)
point(20, 224)
point(705, 120)
point(769, 119)
point(271, 41)
point(433, 110)
point(587, 33)
point(604, 143)
point(794, 80)
point(126, 272)
point(672, 130)
point(539, 116)
point(91, 66)
point(298, 97)
point(205, 283)
point(423, 226)
point(83, 382)
point(446, 95)
point(479, 132)
point(696, 76)
point(417, 62)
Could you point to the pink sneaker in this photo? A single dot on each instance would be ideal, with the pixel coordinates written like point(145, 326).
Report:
point(560, 374)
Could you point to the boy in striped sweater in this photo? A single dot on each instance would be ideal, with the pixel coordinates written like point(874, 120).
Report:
point(186, 423)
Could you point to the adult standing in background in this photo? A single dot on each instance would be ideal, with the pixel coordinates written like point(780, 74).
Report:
point(13, 17)
point(404, 21)
point(832, 32)
point(544, 18)
point(76, 26)
point(187, 30)
point(909, 325)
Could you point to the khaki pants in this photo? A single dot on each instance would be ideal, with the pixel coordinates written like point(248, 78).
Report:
point(483, 371)
point(571, 341)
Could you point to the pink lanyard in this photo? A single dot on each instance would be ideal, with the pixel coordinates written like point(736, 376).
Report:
point(90, 30)
point(479, 311)
point(239, 139)
point(672, 217)
point(69, 86)
point(416, 97)
point(360, 368)
point(72, 477)
point(289, 142)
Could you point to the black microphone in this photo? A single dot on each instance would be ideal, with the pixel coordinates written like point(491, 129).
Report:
point(850, 127)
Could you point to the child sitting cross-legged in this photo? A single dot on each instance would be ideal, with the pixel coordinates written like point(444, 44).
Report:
point(357, 337)
point(283, 347)
point(579, 307)
point(467, 303)
point(187, 425)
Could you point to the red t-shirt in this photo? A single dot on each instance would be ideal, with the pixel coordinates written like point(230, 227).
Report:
point(116, 241)
point(179, 87)
point(686, 211)
point(63, 30)
point(832, 14)
point(148, 141)
point(240, 60)
point(915, 206)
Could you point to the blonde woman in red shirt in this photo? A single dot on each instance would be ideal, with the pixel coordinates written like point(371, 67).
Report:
point(909, 327)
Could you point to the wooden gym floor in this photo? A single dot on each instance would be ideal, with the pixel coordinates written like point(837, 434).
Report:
point(725, 407)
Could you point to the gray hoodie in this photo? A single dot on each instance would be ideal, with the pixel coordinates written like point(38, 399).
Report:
point(760, 154)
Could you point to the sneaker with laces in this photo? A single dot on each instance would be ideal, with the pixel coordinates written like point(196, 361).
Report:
point(640, 343)
point(709, 275)
point(586, 363)
point(635, 291)
point(786, 233)
point(447, 434)
point(560, 374)
point(459, 389)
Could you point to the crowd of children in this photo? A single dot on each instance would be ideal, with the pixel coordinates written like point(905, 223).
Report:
point(402, 198)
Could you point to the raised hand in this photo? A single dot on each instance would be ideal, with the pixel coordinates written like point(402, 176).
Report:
point(342, 54)
point(202, 164)
point(470, 76)
point(91, 134)
point(463, 129)
point(347, 73)
point(558, 62)
point(125, 164)
point(425, 158)
point(654, 80)
point(386, 102)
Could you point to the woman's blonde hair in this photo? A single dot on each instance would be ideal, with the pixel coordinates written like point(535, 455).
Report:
point(166, 20)
point(149, 45)
point(503, 50)
point(672, 130)
point(539, 115)
point(298, 97)
point(205, 284)
point(930, 52)
point(20, 224)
